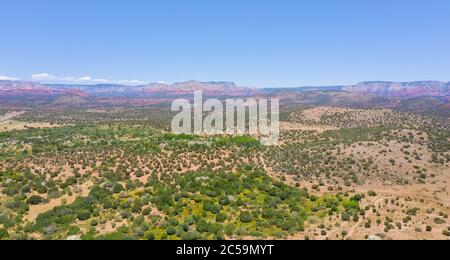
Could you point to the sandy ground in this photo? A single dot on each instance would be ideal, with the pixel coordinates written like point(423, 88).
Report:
point(288, 126)
point(10, 115)
point(432, 200)
point(11, 125)
point(35, 211)
point(7, 123)
point(314, 114)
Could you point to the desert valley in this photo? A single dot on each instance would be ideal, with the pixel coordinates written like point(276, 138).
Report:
point(364, 162)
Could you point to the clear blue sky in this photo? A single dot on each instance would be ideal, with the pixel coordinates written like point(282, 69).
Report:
point(252, 42)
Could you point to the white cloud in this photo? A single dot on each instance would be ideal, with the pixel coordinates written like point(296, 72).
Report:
point(43, 77)
point(131, 82)
point(74, 79)
point(49, 77)
point(85, 79)
point(4, 77)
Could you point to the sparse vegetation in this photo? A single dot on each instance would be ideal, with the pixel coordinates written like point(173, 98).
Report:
point(117, 175)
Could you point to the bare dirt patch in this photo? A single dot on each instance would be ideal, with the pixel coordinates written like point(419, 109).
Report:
point(11, 125)
point(288, 126)
point(35, 211)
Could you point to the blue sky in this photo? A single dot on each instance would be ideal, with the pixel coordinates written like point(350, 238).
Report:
point(252, 42)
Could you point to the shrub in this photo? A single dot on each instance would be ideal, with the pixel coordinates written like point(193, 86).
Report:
point(117, 188)
point(137, 208)
point(221, 217)
point(224, 201)
point(84, 215)
point(190, 236)
point(246, 217)
point(439, 221)
point(73, 230)
point(150, 236)
point(372, 193)
point(345, 216)
point(4, 234)
point(42, 189)
point(211, 207)
point(146, 211)
point(35, 200)
point(171, 231)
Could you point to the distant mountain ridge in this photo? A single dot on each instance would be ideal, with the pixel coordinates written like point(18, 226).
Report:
point(402, 89)
point(153, 90)
point(217, 89)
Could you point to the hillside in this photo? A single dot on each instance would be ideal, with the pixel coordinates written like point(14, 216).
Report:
point(69, 100)
point(428, 97)
point(154, 90)
point(402, 89)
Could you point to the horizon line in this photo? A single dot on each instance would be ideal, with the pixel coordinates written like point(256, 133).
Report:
point(224, 82)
